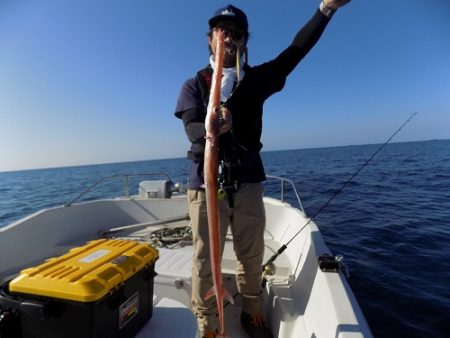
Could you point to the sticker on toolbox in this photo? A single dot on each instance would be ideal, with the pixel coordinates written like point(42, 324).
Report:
point(128, 310)
point(95, 255)
point(119, 260)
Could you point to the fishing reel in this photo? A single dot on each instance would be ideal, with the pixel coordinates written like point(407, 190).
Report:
point(270, 269)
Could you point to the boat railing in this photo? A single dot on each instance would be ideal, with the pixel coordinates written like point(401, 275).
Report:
point(283, 182)
point(125, 177)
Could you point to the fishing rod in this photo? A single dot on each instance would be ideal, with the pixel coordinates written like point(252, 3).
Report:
point(265, 266)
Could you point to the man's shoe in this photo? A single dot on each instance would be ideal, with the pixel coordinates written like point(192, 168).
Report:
point(255, 325)
point(210, 335)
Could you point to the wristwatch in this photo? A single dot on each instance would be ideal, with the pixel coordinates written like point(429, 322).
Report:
point(327, 11)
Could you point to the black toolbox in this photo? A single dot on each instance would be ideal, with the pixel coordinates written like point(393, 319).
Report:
point(103, 290)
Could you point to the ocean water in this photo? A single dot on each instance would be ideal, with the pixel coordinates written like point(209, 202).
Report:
point(391, 223)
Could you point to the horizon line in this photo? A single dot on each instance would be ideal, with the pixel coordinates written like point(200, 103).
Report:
point(177, 158)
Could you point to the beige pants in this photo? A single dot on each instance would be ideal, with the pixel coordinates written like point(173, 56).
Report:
point(247, 223)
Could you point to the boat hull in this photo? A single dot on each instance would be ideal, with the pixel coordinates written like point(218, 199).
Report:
point(299, 299)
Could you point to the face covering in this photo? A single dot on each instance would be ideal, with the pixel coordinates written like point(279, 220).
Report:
point(229, 77)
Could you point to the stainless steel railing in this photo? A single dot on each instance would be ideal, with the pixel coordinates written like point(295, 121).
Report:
point(283, 182)
point(126, 184)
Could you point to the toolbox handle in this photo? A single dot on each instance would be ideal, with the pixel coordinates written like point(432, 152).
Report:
point(33, 308)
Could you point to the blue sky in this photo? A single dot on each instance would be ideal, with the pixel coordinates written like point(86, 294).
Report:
point(84, 82)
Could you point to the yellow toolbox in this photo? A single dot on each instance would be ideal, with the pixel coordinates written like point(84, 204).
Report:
point(103, 290)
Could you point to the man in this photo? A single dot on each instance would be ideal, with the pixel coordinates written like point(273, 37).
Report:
point(243, 92)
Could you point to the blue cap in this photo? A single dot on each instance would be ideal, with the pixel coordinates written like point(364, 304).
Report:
point(229, 13)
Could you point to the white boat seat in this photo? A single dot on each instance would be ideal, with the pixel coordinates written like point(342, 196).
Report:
point(176, 264)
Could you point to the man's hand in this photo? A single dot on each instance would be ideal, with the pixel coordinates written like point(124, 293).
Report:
point(225, 120)
point(220, 121)
point(335, 4)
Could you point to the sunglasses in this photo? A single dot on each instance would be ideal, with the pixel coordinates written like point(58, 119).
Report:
point(234, 33)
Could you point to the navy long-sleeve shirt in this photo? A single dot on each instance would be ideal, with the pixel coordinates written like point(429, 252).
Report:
point(246, 106)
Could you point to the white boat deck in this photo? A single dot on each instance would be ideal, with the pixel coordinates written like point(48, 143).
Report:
point(173, 280)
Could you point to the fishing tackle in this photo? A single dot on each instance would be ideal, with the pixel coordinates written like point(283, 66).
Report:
point(284, 246)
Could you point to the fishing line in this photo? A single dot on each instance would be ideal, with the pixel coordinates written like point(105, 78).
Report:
point(284, 246)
